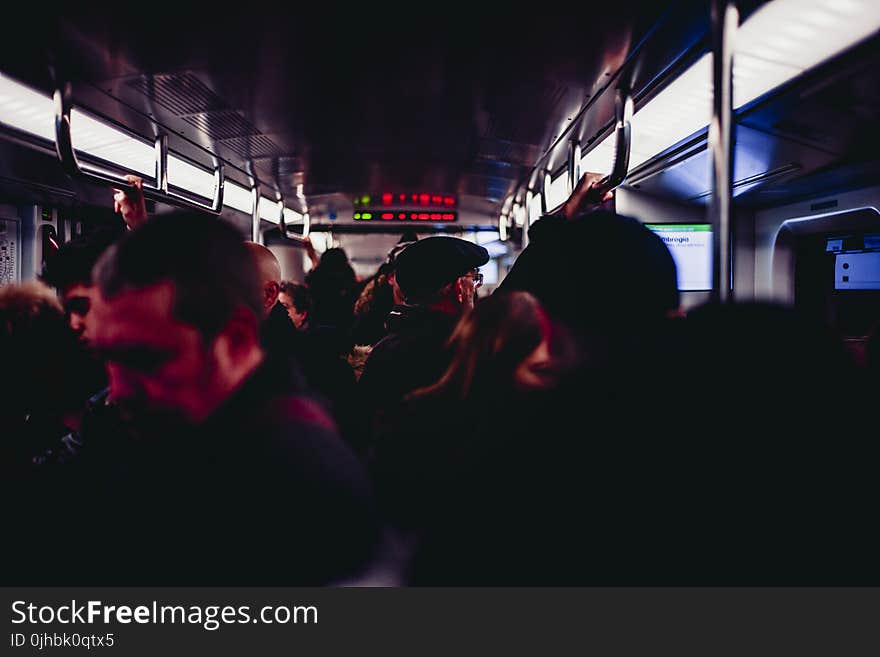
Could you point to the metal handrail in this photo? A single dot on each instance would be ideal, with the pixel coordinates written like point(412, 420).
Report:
point(70, 163)
point(292, 237)
point(164, 193)
point(623, 111)
point(725, 21)
point(255, 210)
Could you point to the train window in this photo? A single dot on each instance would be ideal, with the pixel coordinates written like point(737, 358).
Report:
point(691, 248)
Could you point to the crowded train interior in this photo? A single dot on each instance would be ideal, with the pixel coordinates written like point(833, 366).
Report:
point(566, 294)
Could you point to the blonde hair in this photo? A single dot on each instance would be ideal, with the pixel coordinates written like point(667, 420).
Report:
point(22, 304)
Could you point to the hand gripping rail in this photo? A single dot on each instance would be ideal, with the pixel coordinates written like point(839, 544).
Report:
point(161, 192)
point(623, 111)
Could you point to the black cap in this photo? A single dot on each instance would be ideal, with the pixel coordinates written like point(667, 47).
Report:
point(428, 265)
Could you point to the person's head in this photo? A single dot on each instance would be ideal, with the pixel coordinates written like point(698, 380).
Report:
point(334, 266)
point(604, 275)
point(507, 342)
point(177, 317)
point(70, 272)
point(440, 273)
point(298, 302)
point(335, 258)
point(270, 274)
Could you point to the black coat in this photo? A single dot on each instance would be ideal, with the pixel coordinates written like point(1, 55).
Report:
point(263, 492)
point(411, 356)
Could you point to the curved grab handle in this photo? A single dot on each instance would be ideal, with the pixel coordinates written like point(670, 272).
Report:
point(292, 237)
point(70, 163)
point(623, 111)
point(65, 151)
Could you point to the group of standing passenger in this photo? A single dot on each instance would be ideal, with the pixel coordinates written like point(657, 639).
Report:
point(210, 423)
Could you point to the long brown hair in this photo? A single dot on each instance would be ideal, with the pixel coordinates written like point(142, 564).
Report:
point(489, 343)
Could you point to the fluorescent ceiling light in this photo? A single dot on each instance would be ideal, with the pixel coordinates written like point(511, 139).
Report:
point(292, 216)
point(96, 138)
point(269, 210)
point(191, 178)
point(25, 109)
point(535, 208)
point(30, 111)
point(781, 40)
point(237, 197)
point(556, 193)
point(519, 215)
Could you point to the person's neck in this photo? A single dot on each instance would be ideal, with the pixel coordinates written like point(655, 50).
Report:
point(445, 306)
point(243, 368)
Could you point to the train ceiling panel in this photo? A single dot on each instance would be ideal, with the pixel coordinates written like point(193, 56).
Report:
point(464, 102)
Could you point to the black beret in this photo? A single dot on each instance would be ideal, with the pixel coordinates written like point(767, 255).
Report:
point(430, 264)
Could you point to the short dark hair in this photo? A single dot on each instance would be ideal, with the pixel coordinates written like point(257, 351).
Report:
point(299, 295)
point(205, 258)
point(74, 261)
point(610, 274)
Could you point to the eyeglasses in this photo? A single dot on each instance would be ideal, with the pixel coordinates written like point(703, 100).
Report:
point(477, 276)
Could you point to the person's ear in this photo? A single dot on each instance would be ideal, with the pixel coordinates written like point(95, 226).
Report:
point(459, 290)
point(271, 290)
point(236, 339)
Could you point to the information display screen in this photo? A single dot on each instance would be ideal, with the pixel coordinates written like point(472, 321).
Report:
point(691, 248)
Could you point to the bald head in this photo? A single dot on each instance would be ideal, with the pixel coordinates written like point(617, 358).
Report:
point(270, 273)
point(266, 261)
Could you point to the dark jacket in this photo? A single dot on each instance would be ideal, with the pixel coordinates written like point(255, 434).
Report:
point(411, 356)
point(316, 366)
point(263, 492)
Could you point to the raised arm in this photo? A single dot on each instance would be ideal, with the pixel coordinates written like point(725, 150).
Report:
point(584, 197)
point(130, 203)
